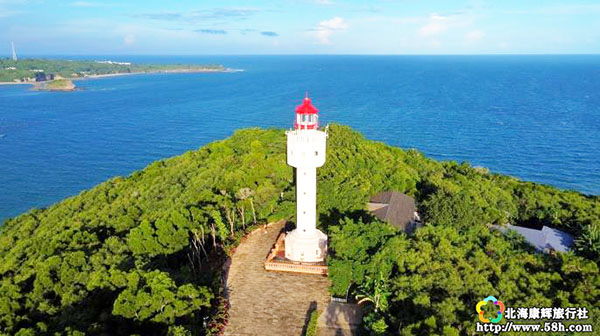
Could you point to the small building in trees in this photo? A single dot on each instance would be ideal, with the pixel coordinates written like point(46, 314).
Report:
point(395, 208)
point(546, 240)
point(42, 77)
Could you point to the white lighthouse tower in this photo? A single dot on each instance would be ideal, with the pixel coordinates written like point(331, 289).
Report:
point(306, 152)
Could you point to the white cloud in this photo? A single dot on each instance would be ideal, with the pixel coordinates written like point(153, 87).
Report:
point(83, 4)
point(390, 20)
point(12, 2)
point(129, 39)
point(435, 25)
point(5, 11)
point(325, 29)
point(92, 4)
point(435, 44)
point(474, 35)
point(337, 23)
point(571, 9)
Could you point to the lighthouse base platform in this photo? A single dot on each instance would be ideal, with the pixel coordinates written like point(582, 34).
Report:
point(277, 262)
point(306, 247)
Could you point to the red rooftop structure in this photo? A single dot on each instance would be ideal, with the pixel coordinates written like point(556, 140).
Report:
point(307, 116)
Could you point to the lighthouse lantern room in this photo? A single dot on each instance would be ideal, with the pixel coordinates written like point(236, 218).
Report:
point(306, 146)
point(307, 116)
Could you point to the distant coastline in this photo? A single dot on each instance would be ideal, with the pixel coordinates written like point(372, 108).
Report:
point(171, 71)
point(183, 70)
point(42, 72)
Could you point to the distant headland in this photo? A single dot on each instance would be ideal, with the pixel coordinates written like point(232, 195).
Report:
point(60, 84)
point(58, 75)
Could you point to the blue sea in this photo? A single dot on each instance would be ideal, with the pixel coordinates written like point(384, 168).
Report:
point(533, 117)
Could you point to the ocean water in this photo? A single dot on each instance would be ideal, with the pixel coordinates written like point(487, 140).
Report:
point(533, 117)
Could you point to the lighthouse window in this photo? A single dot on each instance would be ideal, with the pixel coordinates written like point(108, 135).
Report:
point(316, 153)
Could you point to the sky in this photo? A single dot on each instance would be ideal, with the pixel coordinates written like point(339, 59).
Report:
point(52, 27)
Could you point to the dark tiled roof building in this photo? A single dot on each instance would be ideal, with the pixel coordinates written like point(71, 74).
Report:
point(395, 208)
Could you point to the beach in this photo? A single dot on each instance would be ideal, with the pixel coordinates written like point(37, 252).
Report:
point(16, 83)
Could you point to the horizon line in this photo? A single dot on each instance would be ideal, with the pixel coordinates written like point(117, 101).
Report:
point(311, 54)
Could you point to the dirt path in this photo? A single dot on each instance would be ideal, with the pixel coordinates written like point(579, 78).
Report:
point(269, 303)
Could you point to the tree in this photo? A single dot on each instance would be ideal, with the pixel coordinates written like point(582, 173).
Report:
point(154, 296)
point(588, 242)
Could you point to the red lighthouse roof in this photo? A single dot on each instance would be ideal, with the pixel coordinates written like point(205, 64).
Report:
point(306, 107)
point(306, 115)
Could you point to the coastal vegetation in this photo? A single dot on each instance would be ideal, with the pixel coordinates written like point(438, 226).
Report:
point(143, 254)
point(56, 85)
point(25, 70)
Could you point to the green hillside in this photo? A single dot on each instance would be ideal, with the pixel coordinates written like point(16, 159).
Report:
point(142, 254)
point(25, 69)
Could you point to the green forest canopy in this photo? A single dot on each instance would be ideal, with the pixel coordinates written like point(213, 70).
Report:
point(142, 254)
point(26, 68)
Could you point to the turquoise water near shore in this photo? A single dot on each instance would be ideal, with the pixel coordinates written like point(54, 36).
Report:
point(533, 117)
